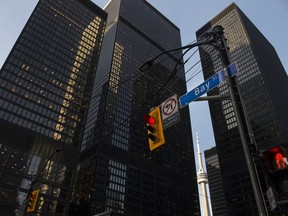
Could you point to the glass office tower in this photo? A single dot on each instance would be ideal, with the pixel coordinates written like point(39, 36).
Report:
point(260, 76)
point(218, 202)
point(117, 170)
point(45, 85)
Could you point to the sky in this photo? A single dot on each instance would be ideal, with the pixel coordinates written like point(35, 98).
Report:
point(270, 17)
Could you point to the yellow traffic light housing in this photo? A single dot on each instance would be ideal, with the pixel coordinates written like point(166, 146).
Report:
point(155, 129)
point(33, 196)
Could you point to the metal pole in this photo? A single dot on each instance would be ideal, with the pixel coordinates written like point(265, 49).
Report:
point(221, 42)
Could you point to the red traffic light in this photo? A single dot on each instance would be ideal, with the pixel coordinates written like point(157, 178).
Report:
point(154, 128)
point(151, 127)
point(149, 119)
point(281, 160)
point(276, 159)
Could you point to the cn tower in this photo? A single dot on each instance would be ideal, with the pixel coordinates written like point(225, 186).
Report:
point(202, 180)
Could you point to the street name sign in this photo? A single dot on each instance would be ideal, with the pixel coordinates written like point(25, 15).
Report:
point(232, 70)
point(206, 86)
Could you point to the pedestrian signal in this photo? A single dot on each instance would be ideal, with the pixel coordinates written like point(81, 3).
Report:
point(275, 159)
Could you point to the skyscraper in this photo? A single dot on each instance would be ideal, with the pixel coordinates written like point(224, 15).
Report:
point(260, 73)
point(45, 85)
point(218, 201)
point(117, 169)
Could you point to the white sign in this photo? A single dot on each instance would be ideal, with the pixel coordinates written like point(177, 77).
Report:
point(169, 107)
point(271, 198)
point(170, 112)
point(171, 120)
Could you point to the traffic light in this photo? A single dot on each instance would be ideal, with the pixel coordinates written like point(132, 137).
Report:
point(33, 196)
point(275, 159)
point(277, 177)
point(154, 128)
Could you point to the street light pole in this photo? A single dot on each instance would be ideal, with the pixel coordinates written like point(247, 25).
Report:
point(221, 43)
point(35, 179)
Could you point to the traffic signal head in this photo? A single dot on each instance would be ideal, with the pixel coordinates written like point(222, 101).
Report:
point(277, 164)
point(33, 196)
point(275, 159)
point(154, 128)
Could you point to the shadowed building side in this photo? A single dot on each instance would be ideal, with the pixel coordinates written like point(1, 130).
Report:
point(260, 73)
point(45, 85)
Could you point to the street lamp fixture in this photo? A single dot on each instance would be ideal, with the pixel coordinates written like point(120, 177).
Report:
point(144, 67)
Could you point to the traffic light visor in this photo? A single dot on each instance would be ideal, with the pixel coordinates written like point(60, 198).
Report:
point(149, 119)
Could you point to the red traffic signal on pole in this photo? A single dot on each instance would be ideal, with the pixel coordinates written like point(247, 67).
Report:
point(276, 162)
point(275, 159)
point(33, 196)
point(154, 128)
point(149, 119)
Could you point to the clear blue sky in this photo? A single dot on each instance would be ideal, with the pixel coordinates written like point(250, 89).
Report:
point(270, 17)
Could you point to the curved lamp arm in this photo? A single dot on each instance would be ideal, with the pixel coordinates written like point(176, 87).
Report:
point(149, 63)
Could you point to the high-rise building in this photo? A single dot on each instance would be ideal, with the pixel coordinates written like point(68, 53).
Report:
point(117, 170)
point(218, 202)
point(262, 81)
point(45, 85)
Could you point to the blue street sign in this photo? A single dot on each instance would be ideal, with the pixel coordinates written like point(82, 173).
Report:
point(232, 70)
point(206, 86)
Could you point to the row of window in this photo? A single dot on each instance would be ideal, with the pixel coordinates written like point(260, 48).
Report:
point(76, 10)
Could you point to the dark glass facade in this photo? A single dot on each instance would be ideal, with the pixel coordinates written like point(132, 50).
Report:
point(45, 85)
point(218, 201)
point(262, 82)
point(117, 170)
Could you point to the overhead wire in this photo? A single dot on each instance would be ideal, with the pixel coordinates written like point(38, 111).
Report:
point(173, 73)
point(190, 58)
point(133, 76)
point(193, 66)
point(194, 75)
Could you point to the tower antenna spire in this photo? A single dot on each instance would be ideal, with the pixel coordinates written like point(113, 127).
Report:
point(202, 180)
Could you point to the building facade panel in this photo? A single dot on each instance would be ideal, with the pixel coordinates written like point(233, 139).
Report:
point(126, 176)
point(218, 201)
point(45, 86)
